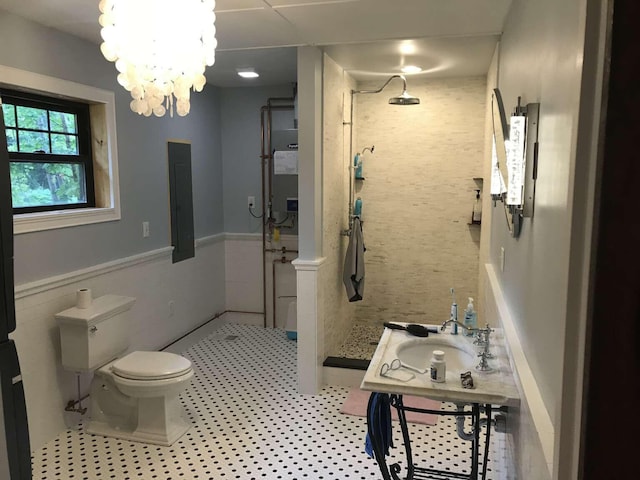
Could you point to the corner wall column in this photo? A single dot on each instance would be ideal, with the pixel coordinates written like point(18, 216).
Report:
point(310, 319)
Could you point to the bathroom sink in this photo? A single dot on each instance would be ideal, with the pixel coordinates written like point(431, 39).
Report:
point(417, 353)
point(496, 386)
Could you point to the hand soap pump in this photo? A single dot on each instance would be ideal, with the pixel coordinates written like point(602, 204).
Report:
point(470, 318)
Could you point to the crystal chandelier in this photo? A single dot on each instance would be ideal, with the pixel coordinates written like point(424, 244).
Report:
point(160, 48)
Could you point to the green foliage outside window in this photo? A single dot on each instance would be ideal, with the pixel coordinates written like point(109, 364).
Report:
point(46, 167)
point(35, 184)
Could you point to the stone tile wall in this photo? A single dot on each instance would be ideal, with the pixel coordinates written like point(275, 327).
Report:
point(418, 195)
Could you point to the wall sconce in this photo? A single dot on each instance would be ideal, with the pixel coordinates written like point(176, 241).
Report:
point(161, 49)
point(515, 160)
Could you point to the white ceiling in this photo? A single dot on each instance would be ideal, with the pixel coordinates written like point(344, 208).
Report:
point(367, 37)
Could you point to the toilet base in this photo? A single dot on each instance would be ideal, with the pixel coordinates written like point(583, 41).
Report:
point(155, 438)
point(154, 420)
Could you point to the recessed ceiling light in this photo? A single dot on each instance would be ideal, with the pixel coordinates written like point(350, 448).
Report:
point(248, 73)
point(411, 69)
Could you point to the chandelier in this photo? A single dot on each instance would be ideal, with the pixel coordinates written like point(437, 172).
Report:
point(160, 48)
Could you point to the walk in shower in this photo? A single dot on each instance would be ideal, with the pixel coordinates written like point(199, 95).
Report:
point(416, 198)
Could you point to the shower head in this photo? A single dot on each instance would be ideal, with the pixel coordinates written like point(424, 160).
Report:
point(403, 99)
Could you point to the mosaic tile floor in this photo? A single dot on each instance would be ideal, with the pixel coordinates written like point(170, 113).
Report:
point(361, 342)
point(249, 422)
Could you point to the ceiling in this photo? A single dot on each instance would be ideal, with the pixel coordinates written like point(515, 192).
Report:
point(369, 38)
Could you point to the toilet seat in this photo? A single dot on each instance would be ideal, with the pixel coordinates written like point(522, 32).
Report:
point(150, 366)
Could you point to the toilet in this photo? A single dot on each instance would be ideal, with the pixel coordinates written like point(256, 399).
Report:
point(134, 396)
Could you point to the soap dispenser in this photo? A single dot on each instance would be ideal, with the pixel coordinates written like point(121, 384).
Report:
point(470, 318)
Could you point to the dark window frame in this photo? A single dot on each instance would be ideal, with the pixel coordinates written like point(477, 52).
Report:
point(83, 132)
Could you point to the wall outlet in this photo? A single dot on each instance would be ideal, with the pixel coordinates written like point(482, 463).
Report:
point(145, 229)
point(172, 308)
point(251, 202)
point(502, 259)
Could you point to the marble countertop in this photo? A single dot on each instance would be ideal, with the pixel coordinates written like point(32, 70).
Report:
point(496, 387)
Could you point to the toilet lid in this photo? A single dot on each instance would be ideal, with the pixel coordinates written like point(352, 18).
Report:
point(151, 366)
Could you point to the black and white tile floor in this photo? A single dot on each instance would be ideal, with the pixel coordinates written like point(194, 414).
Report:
point(249, 422)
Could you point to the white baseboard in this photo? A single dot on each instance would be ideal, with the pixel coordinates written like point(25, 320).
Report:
point(240, 318)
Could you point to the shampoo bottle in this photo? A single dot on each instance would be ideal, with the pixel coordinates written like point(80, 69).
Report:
point(476, 214)
point(357, 164)
point(357, 208)
point(470, 318)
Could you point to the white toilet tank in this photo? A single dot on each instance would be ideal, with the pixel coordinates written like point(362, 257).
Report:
point(91, 337)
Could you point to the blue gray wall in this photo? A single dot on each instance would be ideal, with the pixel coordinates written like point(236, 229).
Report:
point(142, 159)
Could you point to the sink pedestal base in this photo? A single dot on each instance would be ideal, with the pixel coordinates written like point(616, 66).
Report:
point(392, 472)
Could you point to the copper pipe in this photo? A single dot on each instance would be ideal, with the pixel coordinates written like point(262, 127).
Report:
point(262, 220)
point(270, 167)
point(266, 161)
point(273, 290)
point(273, 280)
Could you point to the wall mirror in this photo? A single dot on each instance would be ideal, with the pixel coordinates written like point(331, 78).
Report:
point(514, 159)
point(499, 154)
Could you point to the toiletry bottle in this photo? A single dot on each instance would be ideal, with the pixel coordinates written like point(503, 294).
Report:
point(357, 209)
point(476, 214)
point(470, 319)
point(357, 164)
point(438, 367)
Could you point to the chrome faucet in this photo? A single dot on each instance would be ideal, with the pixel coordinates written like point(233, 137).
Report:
point(483, 340)
point(455, 322)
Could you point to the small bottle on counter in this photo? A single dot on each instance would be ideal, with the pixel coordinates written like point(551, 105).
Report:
point(438, 367)
point(470, 318)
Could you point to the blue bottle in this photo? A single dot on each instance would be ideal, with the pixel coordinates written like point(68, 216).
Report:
point(357, 164)
point(357, 208)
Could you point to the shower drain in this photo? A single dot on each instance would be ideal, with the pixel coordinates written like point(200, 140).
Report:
point(223, 338)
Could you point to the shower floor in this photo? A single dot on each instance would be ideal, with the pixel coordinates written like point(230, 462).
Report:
point(361, 342)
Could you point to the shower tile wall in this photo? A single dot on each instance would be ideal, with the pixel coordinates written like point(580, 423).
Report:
point(338, 314)
point(418, 197)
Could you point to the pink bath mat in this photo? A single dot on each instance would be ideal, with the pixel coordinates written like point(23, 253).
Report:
point(357, 400)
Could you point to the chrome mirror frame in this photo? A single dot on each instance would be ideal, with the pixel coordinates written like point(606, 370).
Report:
point(515, 213)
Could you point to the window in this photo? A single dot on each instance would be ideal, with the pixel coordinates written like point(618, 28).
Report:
point(50, 152)
point(101, 141)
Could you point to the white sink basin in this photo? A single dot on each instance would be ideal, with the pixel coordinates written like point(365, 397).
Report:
point(417, 353)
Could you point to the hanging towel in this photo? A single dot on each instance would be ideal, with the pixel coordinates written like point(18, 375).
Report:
point(353, 274)
point(379, 424)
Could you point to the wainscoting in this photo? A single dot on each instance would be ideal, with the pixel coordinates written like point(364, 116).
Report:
point(530, 432)
point(195, 288)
